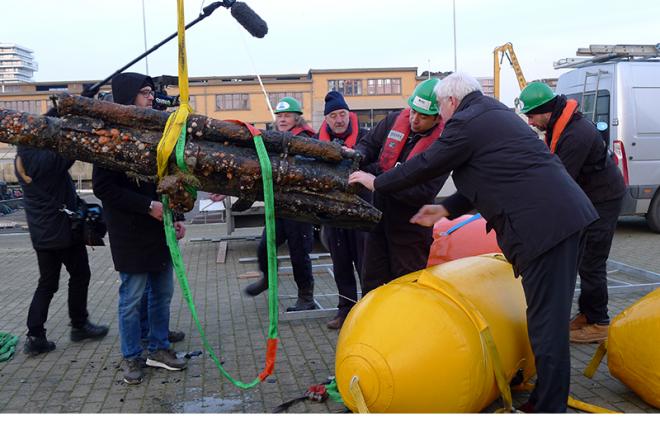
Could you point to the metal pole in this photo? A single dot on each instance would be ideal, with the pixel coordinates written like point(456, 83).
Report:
point(144, 32)
point(454, 15)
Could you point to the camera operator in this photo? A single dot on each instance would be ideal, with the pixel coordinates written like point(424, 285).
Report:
point(47, 190)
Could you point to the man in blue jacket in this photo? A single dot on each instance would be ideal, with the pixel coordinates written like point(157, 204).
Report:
point(501, 168)
point(47, 190)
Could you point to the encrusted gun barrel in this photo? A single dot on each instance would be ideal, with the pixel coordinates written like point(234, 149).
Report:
point(309, 176)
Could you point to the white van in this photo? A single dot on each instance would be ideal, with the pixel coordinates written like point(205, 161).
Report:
point(621, 94)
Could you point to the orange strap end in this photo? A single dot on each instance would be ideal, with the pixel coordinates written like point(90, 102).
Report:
point(271, 353)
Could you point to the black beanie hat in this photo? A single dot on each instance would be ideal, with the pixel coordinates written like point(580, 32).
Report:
point(548, 107)
point(126, 86)
point(334, 101)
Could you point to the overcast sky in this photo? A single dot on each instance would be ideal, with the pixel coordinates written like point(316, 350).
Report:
point(88, 40)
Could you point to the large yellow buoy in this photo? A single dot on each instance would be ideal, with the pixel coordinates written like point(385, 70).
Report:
point(420, 343)
point(633, 350)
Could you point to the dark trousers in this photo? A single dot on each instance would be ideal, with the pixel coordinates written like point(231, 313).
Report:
point(50, 262)
point(300, 239)
point(388, 256)
point(346, 248)
point(593, 269)
point(549, 283)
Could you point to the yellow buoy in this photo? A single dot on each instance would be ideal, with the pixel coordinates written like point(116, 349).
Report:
point(420, 343)
point(633, 351)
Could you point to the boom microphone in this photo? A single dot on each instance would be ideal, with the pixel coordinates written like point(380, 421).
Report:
point(249, 19)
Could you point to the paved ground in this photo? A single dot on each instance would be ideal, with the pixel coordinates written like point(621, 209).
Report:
point(86, 377)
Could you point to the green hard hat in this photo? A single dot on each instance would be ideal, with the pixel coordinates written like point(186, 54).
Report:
point(423, 99)
point(534, 95)
point(288, 105)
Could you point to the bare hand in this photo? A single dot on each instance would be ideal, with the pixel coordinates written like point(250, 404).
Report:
point(366, 179)
point(180, 230)
point(217, 197)
point(429, 214)
point(156, 211)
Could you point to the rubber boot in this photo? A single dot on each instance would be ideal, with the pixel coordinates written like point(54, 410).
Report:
point(305, 300)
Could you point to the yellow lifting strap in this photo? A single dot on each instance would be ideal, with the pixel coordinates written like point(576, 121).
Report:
point(595, 361)
point(176, 121)
point(487, 340)
point(358, 397)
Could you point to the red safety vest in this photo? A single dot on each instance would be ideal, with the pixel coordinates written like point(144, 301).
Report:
point(306, 128)
point(562, 122)
point(397, 137)
point(351, 140)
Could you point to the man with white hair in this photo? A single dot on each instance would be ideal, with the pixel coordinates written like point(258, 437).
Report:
point(502, 169)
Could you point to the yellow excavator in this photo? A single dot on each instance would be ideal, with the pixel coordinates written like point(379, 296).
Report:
point(498, 56)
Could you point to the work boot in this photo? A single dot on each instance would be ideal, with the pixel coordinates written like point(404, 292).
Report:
point(590, 333)
point(35, 345)
point(305, 300)
point(257, 287)
point(301, 305)
point(88, 331)
point(336, 322)
point(133, 370)
point(578, 321)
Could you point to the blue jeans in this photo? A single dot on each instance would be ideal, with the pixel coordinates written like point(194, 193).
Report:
point(144, 312)
point(130, 298)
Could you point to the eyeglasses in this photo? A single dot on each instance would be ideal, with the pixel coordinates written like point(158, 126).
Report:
point(147, 93)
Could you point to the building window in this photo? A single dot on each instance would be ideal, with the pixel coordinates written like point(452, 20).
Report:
point(384, 86)
point(232, 101)
point(275, 97)
point(347, 87)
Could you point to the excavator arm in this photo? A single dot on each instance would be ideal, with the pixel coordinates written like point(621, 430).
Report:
point(498, 56)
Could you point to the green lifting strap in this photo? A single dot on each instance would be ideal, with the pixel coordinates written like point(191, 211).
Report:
point(179, 267)
point(7, 346)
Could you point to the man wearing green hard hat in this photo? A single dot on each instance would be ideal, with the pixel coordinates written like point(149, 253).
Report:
point(396, 247)
point(580, 147)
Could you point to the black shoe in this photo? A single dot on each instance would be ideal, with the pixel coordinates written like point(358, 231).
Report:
point(133, 370)
point(88, 331)
point(301, 305)
point(35, 345)
point(257, 287)
point(175, 336)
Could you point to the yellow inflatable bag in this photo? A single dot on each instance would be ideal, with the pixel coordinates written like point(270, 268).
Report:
point(633, 348)
point(444, 339)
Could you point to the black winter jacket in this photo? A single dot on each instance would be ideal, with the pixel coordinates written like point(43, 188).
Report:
point(507, 173)
point(137, 240)
point(50, 189)
point(584, 154)
point(398, 206)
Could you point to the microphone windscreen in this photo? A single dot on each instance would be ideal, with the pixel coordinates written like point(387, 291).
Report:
point(249, 19)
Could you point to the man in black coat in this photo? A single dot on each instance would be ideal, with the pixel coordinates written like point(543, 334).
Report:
point(396, 247)
point(581, 148)
point(346, 246)
point(501, 168)
point(47, 190)
point(139, 250)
